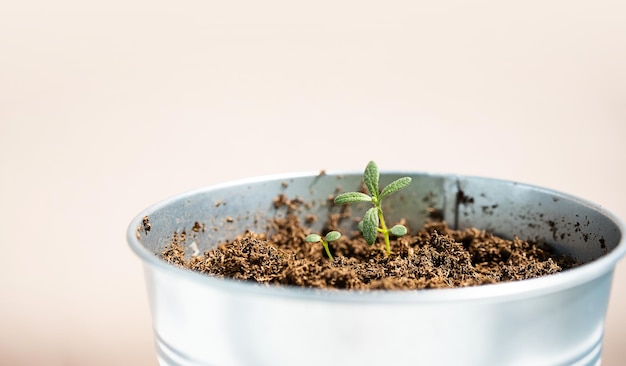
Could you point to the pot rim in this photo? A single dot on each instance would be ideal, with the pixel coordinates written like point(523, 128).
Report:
point(503, 290)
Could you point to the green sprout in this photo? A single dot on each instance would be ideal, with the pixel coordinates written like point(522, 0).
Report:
point(331, 236)
point(374, 220)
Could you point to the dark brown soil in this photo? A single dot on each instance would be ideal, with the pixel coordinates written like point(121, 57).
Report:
point(434, 257)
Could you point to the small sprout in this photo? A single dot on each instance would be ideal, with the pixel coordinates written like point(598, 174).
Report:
point(331, 236)
point(374, 220)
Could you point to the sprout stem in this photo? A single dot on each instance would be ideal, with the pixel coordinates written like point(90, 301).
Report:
point(385, 231)
point(325, 244)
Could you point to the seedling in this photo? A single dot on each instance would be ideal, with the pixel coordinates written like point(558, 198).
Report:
point(331, 236)
point(374, 220)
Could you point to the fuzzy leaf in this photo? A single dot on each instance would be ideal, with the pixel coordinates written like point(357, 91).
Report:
point(370, 176)
point(333, 235)
point(398, 230)
point(395, 186)
point(351, 197)
point(313, 238)
point(360, 226)
point(370, 225)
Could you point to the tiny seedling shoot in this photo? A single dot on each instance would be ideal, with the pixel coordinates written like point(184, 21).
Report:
point(374, 220)
point(331, 236)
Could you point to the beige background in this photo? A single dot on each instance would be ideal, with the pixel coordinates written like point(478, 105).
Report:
point(108, 107)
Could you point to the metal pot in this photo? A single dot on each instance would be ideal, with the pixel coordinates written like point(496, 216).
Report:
point(553, 320)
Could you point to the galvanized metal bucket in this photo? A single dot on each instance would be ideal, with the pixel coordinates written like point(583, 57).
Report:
point(553, 320)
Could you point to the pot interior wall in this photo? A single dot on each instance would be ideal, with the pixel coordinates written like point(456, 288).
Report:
point(570, 225)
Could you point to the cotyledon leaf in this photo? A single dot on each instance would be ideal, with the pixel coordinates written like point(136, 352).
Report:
point(333, 235)
point(313, 238)
point(398, 230)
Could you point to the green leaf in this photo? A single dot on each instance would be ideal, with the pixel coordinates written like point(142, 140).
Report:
point(360, 226)
point(395, 186)
point(313, 238)
point(370, 225)
point(398, 230)
point(370, 176)
point(333, 235)
point(351, 197)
